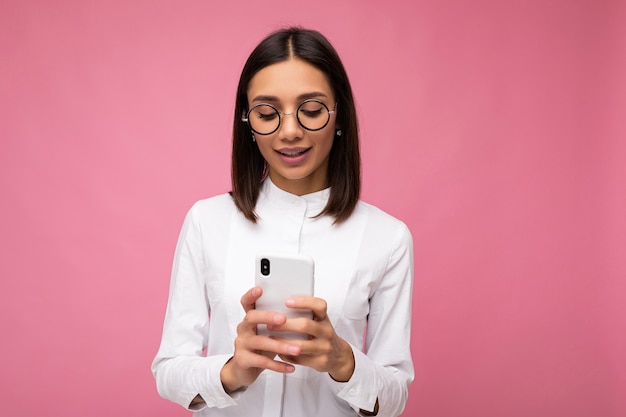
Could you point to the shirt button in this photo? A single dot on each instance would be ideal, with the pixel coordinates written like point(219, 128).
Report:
point(352, 392)
point(297, 203)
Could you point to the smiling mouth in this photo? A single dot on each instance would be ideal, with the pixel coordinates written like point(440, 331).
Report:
point(293, 153)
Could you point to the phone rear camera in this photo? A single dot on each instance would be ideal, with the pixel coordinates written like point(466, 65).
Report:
point(265, 266)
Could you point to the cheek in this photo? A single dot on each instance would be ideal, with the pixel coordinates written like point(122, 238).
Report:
point(325, 142)
point(264, 146)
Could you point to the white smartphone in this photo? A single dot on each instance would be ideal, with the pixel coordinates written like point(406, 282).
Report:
point(281, 276)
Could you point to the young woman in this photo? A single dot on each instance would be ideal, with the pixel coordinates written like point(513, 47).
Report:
point(296, 183)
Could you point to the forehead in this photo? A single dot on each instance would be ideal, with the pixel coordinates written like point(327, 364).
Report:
point(288, 80)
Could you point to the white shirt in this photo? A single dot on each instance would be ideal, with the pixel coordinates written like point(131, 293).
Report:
point(363, 269)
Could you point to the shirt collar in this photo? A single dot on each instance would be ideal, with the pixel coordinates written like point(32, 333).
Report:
point(313, 201)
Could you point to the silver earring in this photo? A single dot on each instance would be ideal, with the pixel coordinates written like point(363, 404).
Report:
point(338, 132)
point(253, 138)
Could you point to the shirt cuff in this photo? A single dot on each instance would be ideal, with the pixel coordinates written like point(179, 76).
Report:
point(361, 390)
point(213, 392)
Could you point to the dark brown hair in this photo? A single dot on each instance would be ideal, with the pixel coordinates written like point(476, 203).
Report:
point(344, 167)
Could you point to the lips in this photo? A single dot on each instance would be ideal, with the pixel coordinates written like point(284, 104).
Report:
point(292, 152)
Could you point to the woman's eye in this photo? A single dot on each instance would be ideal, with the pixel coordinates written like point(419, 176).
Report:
point(267, 116)
point(311, 112)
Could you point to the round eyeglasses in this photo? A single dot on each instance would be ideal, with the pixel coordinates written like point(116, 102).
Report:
point(312, 115)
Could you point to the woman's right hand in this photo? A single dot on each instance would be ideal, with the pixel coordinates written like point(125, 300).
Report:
point(255, 353)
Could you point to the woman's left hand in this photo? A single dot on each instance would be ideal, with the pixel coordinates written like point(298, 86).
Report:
point(325, 351)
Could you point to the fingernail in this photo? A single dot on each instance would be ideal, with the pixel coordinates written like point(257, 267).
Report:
point(290, 302)
point(294, 350)
point(291, 368)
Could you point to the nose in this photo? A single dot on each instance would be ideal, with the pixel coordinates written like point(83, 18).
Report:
point(290, 128)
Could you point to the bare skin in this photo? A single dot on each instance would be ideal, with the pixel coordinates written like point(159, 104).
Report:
point(285, 85)
point(325, 351)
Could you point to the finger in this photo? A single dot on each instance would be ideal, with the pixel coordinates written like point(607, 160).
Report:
point(269, 318)
point(253, 318)
point(320, 334)
point(310, 361)
point(268, 346)
point(282, 367)
point(292, 359)
point(312, 346)
point(263, 360)
point(302, 325)
point(250, 297)
point(317, 305)
point(276, 366)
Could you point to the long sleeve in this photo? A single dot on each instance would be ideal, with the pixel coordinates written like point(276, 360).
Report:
point(363, 269)
point(180, 367)
point(385, 370)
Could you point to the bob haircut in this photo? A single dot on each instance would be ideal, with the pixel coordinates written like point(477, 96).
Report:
point(249, 168)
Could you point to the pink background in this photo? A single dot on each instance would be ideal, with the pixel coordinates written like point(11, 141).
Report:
point(495, 130)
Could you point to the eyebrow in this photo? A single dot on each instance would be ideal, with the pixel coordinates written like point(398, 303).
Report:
point(274, 99)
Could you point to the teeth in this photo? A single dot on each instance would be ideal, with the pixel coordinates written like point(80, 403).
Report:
point(292, 153)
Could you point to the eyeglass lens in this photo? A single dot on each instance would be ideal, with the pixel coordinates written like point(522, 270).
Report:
point(265, 119)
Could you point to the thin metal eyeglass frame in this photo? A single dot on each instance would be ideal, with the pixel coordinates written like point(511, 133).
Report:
point(246, 119)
